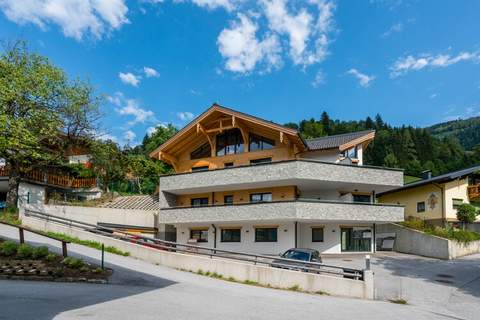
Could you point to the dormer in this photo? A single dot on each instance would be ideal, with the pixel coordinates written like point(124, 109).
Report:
point(342, 148)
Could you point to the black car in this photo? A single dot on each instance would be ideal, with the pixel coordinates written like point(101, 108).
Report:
point(302, 255)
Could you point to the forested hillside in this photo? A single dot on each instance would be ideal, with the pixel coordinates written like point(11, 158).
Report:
point(466, 131)
point(414, 149)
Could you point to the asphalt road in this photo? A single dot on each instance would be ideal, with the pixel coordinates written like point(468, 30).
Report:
point(139, 290)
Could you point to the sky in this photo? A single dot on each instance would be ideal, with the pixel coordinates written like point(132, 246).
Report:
point(166, 61)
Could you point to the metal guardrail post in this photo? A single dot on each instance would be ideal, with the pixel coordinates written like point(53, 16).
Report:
point(21, 235)
point(103, 256)
point(64, 249)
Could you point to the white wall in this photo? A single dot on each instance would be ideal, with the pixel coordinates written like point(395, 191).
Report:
point(82, 159)
point(331, 237)
point(322, 155)
point(286, 239)
point(30, 194)
point(456, 189)
point(264, 275)
point(93, 215)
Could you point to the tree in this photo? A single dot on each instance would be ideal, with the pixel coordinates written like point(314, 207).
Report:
point(326, 122)
point(108, 162)
point(466, 213)
point(41, 112)
point(158, 137)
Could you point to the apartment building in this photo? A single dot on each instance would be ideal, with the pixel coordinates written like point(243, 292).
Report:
point(246, 184)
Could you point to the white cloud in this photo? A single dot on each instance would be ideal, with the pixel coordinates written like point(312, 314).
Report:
point(308, 34)
point(243, 51)
point(129, 135)
point(363, 79)
point(129, 78)
point(185, 115)
point(319, 79)
point(398, 27)
point(131, 107)
point(433, 96)
point(151, 130)
point(106, 136)
point(150, 72)
point(409, 63)
point(75, 17)
point(214, 4)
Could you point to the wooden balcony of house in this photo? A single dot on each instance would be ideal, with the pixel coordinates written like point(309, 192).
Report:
point(53, 179)
point(474, 192)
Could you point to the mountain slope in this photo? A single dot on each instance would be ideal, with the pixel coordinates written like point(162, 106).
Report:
point(466, 131)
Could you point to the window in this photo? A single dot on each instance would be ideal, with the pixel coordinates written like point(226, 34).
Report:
point(202, 168)
point(201, 235)
point(228, 165)
point(361, 198)
point(421, 206)
point(317, 234)
point(231, 235)
point(198, 202)
point(261, 160)
point(230, 142)
point(228, 199)
point(456, 203)
point(260, 143)
point(266, 234)
point(204, 151)
point(260, 197)
point(351, 153)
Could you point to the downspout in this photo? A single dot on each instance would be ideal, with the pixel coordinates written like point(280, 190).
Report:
point(444, 214)
point(296, 225)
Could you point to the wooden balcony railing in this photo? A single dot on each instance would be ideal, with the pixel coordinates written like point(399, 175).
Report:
point(60, 180)
point(4, 172)
point(474, 192)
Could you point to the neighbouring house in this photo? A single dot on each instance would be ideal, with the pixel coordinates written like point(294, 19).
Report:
point(246, 184)
point(435, 199)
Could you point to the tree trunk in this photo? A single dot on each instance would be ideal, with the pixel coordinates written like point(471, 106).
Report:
point(13, 183)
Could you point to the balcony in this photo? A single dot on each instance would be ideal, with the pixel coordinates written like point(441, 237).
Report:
point(474, 192)
point(54, 179)
point(286, 210)
point(300, 172)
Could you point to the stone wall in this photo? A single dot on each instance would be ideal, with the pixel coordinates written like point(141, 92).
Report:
point(419, 243)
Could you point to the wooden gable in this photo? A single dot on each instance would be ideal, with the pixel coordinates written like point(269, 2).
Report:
point(218, 119)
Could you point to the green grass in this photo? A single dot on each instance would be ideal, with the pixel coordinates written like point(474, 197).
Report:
point(398, 301)
point(410, 179)
point(88, 243)
point(450, 233)
point(10, 216)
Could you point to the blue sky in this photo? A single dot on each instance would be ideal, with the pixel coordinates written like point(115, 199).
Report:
point(157, 62)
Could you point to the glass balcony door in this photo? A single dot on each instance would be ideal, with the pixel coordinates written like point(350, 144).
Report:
point(356, 239)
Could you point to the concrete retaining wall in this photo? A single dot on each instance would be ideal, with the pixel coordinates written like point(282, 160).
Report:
point(92, 215)
point(419, 243)
point(267, 276)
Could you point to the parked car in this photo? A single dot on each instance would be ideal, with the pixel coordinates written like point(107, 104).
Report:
point(302, 255)
point(3, 205)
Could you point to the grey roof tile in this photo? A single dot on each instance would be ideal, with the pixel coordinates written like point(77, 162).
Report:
point(330, 142)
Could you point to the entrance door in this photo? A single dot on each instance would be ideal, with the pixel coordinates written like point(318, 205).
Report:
point(356, 239)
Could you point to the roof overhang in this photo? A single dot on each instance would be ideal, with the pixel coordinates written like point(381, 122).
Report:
point(225, 118)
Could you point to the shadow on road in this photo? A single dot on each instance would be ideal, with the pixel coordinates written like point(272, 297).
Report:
point(39, 299)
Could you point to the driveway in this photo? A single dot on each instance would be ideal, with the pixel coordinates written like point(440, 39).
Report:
point(141, 290)
point(446, 287)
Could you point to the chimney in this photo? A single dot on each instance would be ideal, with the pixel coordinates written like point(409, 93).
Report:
point(427, 174)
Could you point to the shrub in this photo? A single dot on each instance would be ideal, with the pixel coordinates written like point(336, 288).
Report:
point(51, 257)
point(466, 213)
point(73, 263)
point(40, 252)
point(84, 269)
point(8, 248)
point(24, 251)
